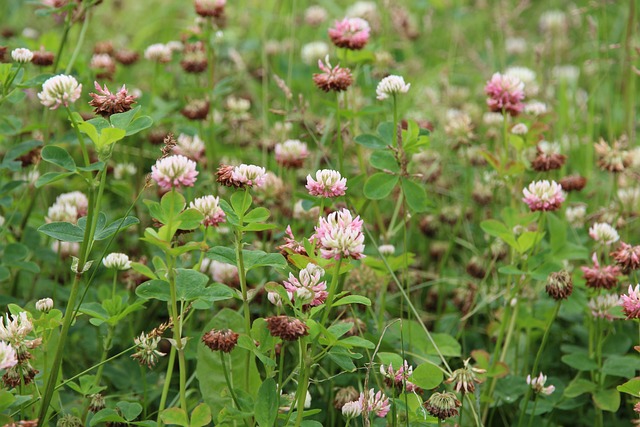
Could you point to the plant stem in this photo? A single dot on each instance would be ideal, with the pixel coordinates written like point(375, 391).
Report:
point(339, 134)
point(303, 384)
point(332, 292)
point(167, 383)
point(83, 33)
point(243, 287)
point(83, 147)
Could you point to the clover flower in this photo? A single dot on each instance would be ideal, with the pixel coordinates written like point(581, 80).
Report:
point(286, 328)
point(339, 235)
point(315, 15)
point(189, 146)
point(209, 206)
point(221, 272)
point(174, 171)
point(68, 207)
point(117, 261)
point(377, 403)
point(158, 52)
point(350, 33)
point(399, 378)
point(14, 329)
point(314, 51)
point(442, 405)
point(352, 409)
point(612, 158)
point(336, 78)
point(548, 157)
point(627, 257)
point(106, 103)
point(207, 8)
point(559, 285)
point(630, 302)
point(21, 55)
point(601, 306)
point(291, 153)
point(601, 277)
point(506, 94)
point(391, 85)
point(44, 305)
point(147, 350)
point(8, 358)
point(308, 287)
point(328, 183)
point(603, 233)
point(466, 378)
point(223, 340)
point(42, 58)
point(60, 90)
point(543, 196)
point(537, 384)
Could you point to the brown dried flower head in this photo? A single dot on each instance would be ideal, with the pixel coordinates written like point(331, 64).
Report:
point(548, 157)
point(466, 378)
point(332, 79)
point(197, 109)
point(612, 158)
point(42, 58)
point(573, 183)
point(627, 257)
point(97, 402)
point(194, 59)
point(344, 395)
point(287, 328)
point(106, 103)
point(224, 176)
point(559, 285)
point(223, 340)
point(443, 405)
point(126, 57)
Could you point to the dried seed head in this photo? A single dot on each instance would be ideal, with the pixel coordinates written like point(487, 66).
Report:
point(287, 328)
point(559, 285)
point(223, 340)
point(443, 405)
point(573, 183)
point(345, 395)
point(97, 402)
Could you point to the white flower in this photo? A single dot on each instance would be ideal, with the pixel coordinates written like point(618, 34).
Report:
point(102, 61)
point(209, 206)
point(65, 249)
point(515, 45)
point(566, 73)
point(537, 384)
point(391, 85)
point(575, 215)
point(492, 119)
point(526, 76)
point(123, 170)
point(8, 357)
point(158, 52)
point(60, 90)
point(15, 329)
point(291, 153)
point(315, 15)
point(603, 233)
point(118, 261)
point(221, 272)
point(312, 52)
point(174, 171)
point(535, 108)
point(44, 305)
point(386, 249)
point(68, 207)
point(22, 55)
point(629, 197)
point(328, 183)
point(189, 146)
point(519, 129)
point(552, 21)
point(175, 46)
point(249, 175)
point(549, 148)
point(299, 212)
point(352, 409)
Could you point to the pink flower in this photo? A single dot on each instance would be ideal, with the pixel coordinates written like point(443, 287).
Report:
point(174, 171)
point(332, 78)
point(308, 287)
point(209, 206)
point(249, 175)
point(399, 378)
point(543, 195)
point(601, 277)
point(8, 358)
point(631, 302)
point(291, 153)
point(376, 402)
point(340, 235)
point(506, 93)
point(627, 257)
point(350, 33)
point(328, 183)
point(107, 103)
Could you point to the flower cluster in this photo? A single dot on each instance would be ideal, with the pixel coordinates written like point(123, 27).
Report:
point(68, 207)
point(601, 277)
point(543, 195)
point(339, 235)
point(399, 378)
point(60, 90)
point(335, 78)
point(189, 146)
point(390, 86)
point(630, 303)
point(537, 384)
point(147, 350)
point(106, 103)
point(328, 183)
point(117, 261)
point(209, 206)
point(308, 287)
point(291, 153)
point(174, 171)
point(506, 93)
point(350, 33)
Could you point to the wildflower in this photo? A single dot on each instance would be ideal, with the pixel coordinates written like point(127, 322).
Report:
point(42, 58)
point(543, 196)
point(21, 55)
point(60, 90)
point(287, 328)
point(314, 51)
point(315, 15)
point(350, 33)
point(568, 74)
point(308, 287)
point(68, 420)
point(535, 108)
point(506, 94)
point(377, 403)
point(209, 206)
point(189, 146)
point(291, 244)
point(20, 374)
point(612, 158)
point(629, 197)
point(328, 183)
point(515, 45)
point(207, 8)
point(466, 378)
point(492, 119)
point(335, 79)
point(117, 261)
point(223, 340)
point(345, 395)
point(548, 157)
point(442, 405)
point(123, 170)
point(104, 64)
point(44, 305)
point(400, 378)
point(14, 329)
point(196, 109)
point(97, 402)
point(340, 235)
point(8, 358)
point(559, 285)
point(106, 103)
point(459, 127)
point(386, 249)
point(194, 58)
point(126, 57)
point(248, 175)
point(601, 277)
point(391, 85)
point(272, 189)
point(158, 52)
point(519, 129)
point(627, 257)
point(174, 171)
point(352, 409)
point(68, 207)
point(291, 153)
point(65, 249)
point(147, 350)
point(573, 183)
point(552, 21)
point(601, 306)
point(537, 384)
point(603, 233)
point(526, 76)
point(238, 107)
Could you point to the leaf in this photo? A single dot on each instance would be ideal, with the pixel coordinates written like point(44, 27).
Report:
point(190, 219)
point(201, 415)
point(579, 386)
point(257, 215)
point(370, 141)
point(621, 366)
point(579, 361)
point(122, 223)
point(384, 160)
point(353, 299)
point(426, 376)
point(607, 400)
point(172, 203)
point(415, 195)
point(139, 124)
point(380, 185)
point(130, 410)
point(175, 416)
point(109, 136)
point(89, 130)
point(64, 231)
point(241, 202)
point(50, 177)
point(267, 403)
point(631, 387)
point(59, 157)
point(255, 259)
point(122, 120)
point(106, 415)
point(14, 252)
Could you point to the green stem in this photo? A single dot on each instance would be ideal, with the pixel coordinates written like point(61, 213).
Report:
point(395, 121)
point(303, 384)
point(65, 36)
point(83, 147)
point(83, 33)
point(167, 384)
point(243, 287)
point(229, 383)
point(332, 292)
point(339, 134)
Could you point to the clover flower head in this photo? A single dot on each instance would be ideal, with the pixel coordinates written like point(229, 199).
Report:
point(537, 384)
point(117, 261)
point(174, 171)
point(249, 175)
point(60, 90)
point(350, 33)
point(308, 287)
point(106, 103)
point(377, 403)
point(336, 78)
point(603, 233)
point(291, 153)
point(22, 55)
point(147, 350)
point(339, 235)
point(209, 206)
point(391, 85)
point(630, 302)
point(505, 94)
point(328, 183)
point(543, 195)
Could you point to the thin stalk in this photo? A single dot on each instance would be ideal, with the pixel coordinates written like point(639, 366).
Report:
point(83, 147)
point(243, 287)
point(81, 37)
point(339, 134)
point(167, 384)
point(332, 292)
point(65, 36)
point(303, 384)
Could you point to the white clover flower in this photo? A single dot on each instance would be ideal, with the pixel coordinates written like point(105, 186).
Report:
point(603, 233)
point(44, 305)
point(68, 207)
point(339, 235)
point(526, 76)
point(535, 108)
point(117, 261)
point(158, 52)
point(629, 197)
point(515, 45)
point(576, 215)
point(537, 384)
point(352, 409)
point(386, 249)
point(221, 272)
point(65, 249)
point(174, 171)
point(492, 119)
point(291, 153)
point(175, 46)
point(553, 21)
point(249, 175)
point(566, 73)
point(2, 220)
point(299, 212)
point(8, 356)
point(519, 129)
point(189, 146)
point(314, 51)
point(60, 90)
point(123, 170)
point(391, 85)
point(328, 183)
point(601, 306)
point(15, 329)
point(315, 15)
point(209, 206)
point(21, 55)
